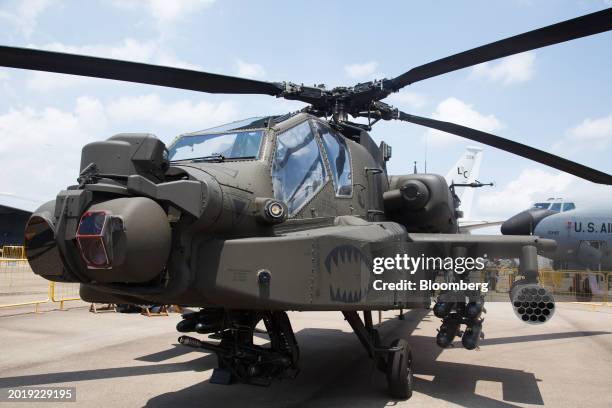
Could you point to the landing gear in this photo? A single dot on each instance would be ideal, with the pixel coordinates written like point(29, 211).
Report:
point(395, 361)
point(239, 359)
point(399, 370)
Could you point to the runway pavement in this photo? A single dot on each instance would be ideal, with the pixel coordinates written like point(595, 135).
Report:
point(117, 360)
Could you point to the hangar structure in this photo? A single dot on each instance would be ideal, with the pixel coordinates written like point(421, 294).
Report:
point(14, 213)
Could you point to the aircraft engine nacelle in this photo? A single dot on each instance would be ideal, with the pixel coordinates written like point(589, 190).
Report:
point(421, 202)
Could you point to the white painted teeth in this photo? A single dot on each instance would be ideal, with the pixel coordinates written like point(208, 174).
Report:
point(345, 296)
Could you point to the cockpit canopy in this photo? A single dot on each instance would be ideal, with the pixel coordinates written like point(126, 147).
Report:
point(555, 204)
point(307, 155)
point(300, 168)
point(236, 140)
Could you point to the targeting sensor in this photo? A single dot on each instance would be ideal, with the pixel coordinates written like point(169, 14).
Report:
point(95, 238)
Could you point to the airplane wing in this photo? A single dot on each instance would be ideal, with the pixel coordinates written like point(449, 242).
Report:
point(469, 225)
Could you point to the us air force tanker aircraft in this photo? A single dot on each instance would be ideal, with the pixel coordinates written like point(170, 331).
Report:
point(583, 233)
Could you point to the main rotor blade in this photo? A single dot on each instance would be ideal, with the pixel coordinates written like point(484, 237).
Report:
point(583, 26)
point(96, 67)
point(519, 149)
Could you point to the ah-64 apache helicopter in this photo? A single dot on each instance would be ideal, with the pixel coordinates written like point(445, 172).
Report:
point(250, 220)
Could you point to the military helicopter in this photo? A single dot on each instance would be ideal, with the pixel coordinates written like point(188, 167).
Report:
point(252, 219)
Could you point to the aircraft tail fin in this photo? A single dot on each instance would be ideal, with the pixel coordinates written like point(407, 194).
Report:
point(466, 170)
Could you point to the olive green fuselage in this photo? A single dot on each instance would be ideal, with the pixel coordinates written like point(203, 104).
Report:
point(225, 248)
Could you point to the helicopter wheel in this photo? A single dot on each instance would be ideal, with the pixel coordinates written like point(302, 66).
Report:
point(399, 370)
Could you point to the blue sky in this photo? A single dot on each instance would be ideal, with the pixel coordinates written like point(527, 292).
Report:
point(558, 98)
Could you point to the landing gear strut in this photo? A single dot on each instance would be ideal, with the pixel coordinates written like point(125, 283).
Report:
point(395, 361)
point(239, 359)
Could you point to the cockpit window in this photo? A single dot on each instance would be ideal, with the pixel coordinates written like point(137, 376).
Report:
point(339, 160)
point(568, 206)
point(236, 145)
point(542, 206)
point(250, 123)
point(556, 207)
point(298, 172)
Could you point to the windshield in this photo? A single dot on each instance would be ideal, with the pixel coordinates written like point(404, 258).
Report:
point(542, 206)
point(236, 145)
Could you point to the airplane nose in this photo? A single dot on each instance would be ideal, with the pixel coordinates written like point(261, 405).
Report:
point(524, 222)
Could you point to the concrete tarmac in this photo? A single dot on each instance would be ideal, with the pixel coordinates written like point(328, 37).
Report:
point(127, 360)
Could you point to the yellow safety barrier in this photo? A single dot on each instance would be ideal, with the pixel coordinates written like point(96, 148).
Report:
point(19, 286)
point(13, 252)
point(577, 285)
point(499, 282)
point(63, 292)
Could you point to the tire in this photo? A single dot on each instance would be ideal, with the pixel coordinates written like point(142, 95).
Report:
point(399, 371)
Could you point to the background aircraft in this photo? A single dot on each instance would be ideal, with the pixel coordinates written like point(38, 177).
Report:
point(466, 171)
point(583, 233)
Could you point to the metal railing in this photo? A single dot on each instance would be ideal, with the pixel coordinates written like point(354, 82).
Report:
point(13, 252)
point(63, 292)
point(19, 286)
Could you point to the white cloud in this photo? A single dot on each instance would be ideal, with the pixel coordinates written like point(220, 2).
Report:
point(165, 12)
point(531, 185)
point(512, 69)
point(40, 149)
point(591, 134)
point(170, 11)
point(366, 70)
point(23, 14)
point(456, 111)
point(4, 75)
point(128, 49)
point(248, 70)
point(184, 113)
point(407, 99)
